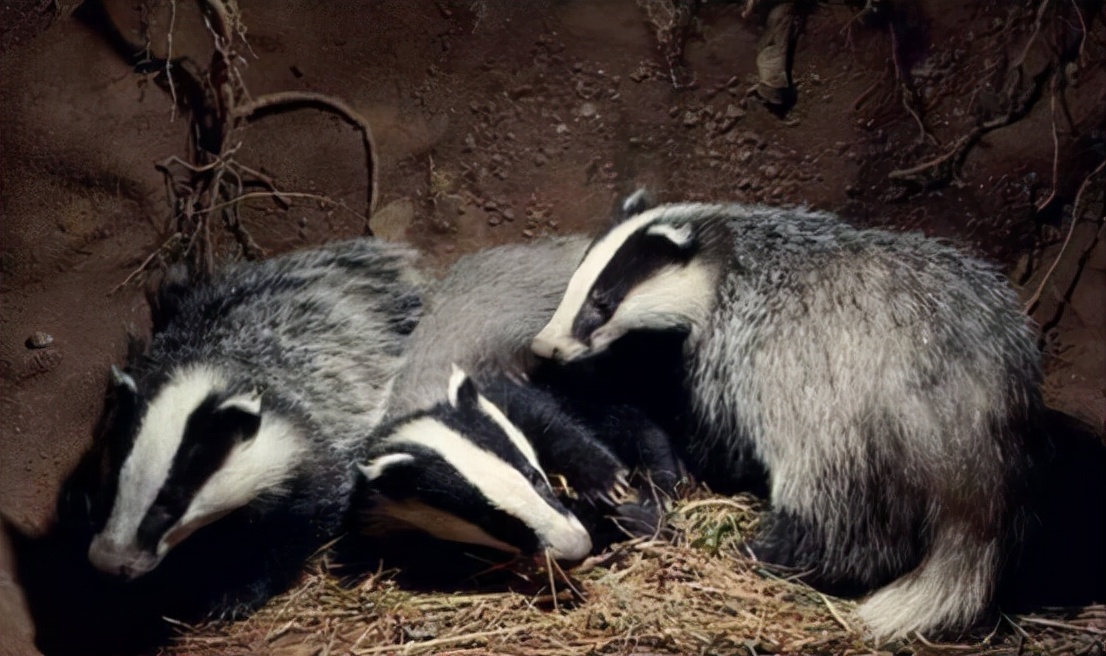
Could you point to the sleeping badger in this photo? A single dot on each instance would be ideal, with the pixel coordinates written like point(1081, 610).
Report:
point(470, 399)
point(224, 459)
point(887, 384)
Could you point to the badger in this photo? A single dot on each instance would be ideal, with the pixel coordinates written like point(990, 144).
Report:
point(225, 458)
point(886, 383)
point(469, 401)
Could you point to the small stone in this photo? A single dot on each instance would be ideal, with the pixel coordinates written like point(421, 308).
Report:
point(494, 220)
point(691, 119)
point(529, 234)
point(587, 110)
point(470, 143)
point(771, 171)
point(39, 340)
point(490, 205)
point(562, 128)
point(734, 112)
point(508, 214)
point(539, 159)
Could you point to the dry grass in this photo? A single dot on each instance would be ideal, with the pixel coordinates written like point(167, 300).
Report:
point(693, 594)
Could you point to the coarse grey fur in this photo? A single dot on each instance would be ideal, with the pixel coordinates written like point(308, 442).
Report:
point(481, 318)
point(887, 382)
point(487, 332)
point(309, 343)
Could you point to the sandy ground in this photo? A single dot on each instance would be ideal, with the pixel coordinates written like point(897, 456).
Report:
point(498, 122)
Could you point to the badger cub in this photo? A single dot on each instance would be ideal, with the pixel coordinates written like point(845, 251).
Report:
point(224, 460)
point(887, 384)
point(472, 431)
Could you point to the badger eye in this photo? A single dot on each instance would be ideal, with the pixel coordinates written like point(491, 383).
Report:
point(602, 303)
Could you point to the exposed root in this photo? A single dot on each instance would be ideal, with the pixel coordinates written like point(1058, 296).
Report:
point(1021, 95)
point(210, 184)
point(1077, 214)
point(295, 99)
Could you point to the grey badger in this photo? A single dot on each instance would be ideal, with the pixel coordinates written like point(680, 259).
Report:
point(224, 457)
point(467, 400)
point(887, 384)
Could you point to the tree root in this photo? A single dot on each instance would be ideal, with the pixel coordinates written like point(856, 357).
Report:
point(1077, 214)
point(210, 184)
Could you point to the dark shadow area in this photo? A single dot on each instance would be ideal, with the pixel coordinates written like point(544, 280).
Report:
point(1063, 559)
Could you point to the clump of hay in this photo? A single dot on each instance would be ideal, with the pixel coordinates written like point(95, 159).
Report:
point(694, 592)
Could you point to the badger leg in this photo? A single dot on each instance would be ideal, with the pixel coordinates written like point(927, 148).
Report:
point(645, 446)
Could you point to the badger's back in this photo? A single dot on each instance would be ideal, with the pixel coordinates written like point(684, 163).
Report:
point(482, 317)
point(888, 383)
point(326, 327)
point(822, 327)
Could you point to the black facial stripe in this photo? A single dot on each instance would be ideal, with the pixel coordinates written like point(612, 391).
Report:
point(209, 436)
point(430, 479)
point(639, 258)
point(480, 429)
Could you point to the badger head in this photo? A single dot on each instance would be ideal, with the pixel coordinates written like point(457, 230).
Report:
point(655, 270)
point(463, 472)
point(188, 453)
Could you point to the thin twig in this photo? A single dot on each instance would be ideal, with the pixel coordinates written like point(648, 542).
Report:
point(169, 59)
point(1031, 304)
point(833, 611)
point(1055, 147)
point(1056, 624)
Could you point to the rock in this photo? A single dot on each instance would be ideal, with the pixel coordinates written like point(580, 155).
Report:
point(691, 119)
point(586, 110)
point(39, 340)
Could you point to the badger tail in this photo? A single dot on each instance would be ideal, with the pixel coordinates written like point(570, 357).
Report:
point(948, 591)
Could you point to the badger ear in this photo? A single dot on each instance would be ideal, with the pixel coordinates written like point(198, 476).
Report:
point(374, 468)
point(679, 234)
point(462, 391)
point(241, 414)
point(634, 204)
point(120, 379)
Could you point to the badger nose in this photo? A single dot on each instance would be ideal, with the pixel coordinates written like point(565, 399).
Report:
point(571, 543)
point(111, 557)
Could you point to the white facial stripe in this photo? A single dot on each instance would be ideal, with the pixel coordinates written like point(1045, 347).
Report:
point(159, 436)
point(377, 466)
point(439, 523)
point(559, 328)
point(503, 486)
point(517, 438)
point(675, 297)
point(258, 465)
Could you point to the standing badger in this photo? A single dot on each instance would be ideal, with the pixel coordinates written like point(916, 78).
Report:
point(464, 402)
point(887, 383)
point(226, 457)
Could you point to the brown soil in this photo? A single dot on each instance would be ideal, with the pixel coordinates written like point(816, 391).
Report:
point(498, 121)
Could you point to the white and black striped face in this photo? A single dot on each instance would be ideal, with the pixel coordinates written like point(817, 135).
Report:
point(189, 455)
point(648, 272)
point(463, 472)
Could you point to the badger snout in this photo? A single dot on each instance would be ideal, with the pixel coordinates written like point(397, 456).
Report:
point(558, 350)
point(570, 542)
point(126, 561)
